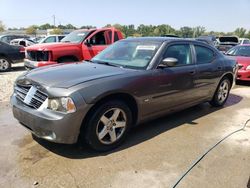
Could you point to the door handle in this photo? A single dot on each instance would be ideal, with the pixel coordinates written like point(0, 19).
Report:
point(219, 68)
point(192, 72)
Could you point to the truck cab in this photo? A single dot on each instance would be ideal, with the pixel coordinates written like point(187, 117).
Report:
point(77, 46)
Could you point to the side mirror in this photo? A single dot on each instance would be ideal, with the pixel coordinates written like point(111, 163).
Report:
point(169, 62)
point(87, 42)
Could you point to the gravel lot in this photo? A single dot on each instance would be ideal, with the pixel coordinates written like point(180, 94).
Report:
point(7, 79)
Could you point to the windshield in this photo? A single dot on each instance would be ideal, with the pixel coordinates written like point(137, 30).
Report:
point(75, 36)
point(130, 54)
point(239, 51)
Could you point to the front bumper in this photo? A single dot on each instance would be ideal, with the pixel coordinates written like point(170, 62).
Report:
point(53, 126)
point(35, 64)
point(243, 75)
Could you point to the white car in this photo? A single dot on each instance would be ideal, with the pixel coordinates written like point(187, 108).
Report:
point(244, 41)
point(22, 42)
point(52, 38)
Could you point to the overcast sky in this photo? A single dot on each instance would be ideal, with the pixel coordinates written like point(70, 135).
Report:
point(217, 15)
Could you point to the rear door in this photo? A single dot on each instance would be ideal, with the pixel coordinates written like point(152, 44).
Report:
point(98, 41)
point(209, 69)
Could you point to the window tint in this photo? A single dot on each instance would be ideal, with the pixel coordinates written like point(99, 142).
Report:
point(246, 41)
point(181, 52)
point(60, 38)
point(116, 37)
point(110, 35)
point(50, 39)
point(98, 39)
point(203, 55)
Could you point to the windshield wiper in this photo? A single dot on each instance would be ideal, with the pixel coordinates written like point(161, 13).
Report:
point(107, 63)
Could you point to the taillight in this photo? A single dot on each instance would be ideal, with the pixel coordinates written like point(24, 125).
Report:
point(22, 49)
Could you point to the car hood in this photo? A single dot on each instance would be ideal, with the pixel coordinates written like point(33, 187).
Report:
point(50, 46)
point(68, 75)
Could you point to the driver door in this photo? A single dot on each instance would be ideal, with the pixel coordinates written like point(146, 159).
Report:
point(97, 42)
point(175, 85)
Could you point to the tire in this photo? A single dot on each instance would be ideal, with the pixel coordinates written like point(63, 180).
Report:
point(108, 126)
point(222, 92)
point(5, 64)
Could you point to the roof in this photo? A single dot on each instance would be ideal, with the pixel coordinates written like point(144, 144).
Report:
point(163, 39)
point(154, 39)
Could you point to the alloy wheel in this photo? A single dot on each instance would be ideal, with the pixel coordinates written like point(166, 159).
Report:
point(223, 91)
point(111, 126)
point(4, 64)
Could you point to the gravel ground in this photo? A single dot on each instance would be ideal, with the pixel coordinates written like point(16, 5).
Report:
point(7, 79)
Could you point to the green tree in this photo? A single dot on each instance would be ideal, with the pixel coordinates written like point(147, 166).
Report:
point(31, 30)
point(198, 31)
point(186, 32)
point(70, 26)
point(2, 26)
point(46, 26)
point(56, 31)
point(87, 27)
point(240, 32)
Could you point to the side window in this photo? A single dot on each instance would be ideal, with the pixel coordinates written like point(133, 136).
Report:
point(50, 39)
point(246, 41)
point(182, 52)
point(203, 55)
point(116, 37)
point(98, 39)
point(5, 39)
point(60, 38)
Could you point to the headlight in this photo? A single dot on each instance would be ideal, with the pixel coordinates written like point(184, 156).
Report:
point(64, 104)
point(248, 67)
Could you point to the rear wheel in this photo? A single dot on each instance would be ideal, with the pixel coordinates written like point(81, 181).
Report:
point(221, 93)
point(5, 64)
point(108, 126)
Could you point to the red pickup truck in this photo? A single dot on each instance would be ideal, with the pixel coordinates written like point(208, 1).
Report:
point(77, 46)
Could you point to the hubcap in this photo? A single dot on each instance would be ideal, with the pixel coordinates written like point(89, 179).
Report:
point(4, 64)
point(111, 126)
point(223, 91)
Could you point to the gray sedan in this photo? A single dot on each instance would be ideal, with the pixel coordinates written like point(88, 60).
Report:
point(132, 81)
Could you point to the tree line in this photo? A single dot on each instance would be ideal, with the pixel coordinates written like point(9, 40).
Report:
point(142, 30)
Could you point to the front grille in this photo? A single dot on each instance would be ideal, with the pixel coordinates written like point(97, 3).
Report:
point(37, 55)
point(30, 95)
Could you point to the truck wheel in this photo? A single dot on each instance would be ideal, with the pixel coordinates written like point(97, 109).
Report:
point(108, 126)
point(5, 64)
point(221, 93)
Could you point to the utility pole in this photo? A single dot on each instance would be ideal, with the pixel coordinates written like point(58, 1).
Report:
point(54, 20)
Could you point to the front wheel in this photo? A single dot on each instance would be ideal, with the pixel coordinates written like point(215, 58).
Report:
point(221, 93)
point(108, 126)
point(5, 64)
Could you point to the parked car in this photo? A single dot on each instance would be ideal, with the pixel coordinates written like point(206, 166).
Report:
point(209, 39)
point(8, 38)
point(22, 42)
point(52, 38)
point(10, 54)
point(241, 54)
point(77, 46)
point(130, 82)
point(37, 39)
point(226, 42)
point(244, 41)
